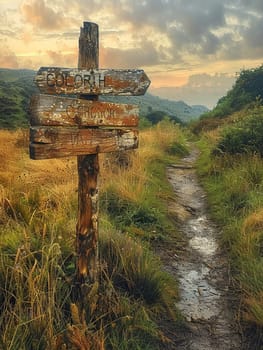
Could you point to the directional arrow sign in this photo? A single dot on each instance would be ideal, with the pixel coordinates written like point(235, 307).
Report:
point(54, 142)
point(54, 110)
point(55, 80)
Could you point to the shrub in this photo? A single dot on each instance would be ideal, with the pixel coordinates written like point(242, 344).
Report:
point(245, 137)
point(247, 89)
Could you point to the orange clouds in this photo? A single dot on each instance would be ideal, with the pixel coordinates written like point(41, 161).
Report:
point(62, 59)
point(171, 40)
point(37, 13)
point(8, 59)
point(129, 58)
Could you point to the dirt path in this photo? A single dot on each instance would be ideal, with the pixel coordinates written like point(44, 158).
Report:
point(202, 270)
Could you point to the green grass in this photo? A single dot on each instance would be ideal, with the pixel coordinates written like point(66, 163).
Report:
point(234, 185)
point(37, 299)
point(39, 307)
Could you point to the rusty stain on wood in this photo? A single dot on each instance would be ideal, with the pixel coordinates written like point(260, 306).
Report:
point(87, 226)
point(54, 110)
point(88, 171)
point(55, 142)
point(57, 80)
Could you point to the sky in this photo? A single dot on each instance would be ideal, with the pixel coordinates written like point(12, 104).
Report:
point(191, 50)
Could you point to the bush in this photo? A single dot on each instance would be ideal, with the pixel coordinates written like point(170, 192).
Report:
point(245, 137)
point(247, 89)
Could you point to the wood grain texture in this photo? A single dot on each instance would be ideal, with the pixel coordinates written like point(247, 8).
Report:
point(88, 172)
point(56, 142)
point(61, 111)
point(57, 80)
point(89, 46)
point(87, 225)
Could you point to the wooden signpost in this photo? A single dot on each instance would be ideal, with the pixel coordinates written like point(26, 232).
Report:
point(56, 80)
point(53, 142)
point(84, 127)
point(61, 111)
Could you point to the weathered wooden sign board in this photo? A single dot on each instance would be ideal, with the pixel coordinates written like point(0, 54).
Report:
point(63, 126)
point(55, 142)
point(56, 80)
point(61, 111)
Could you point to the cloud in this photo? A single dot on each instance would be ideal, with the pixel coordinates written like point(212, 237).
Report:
point(138, 57)
point(256, 5)
point(155, 13)
point(176, 29)
point(62, 59)
point(7, 32)
point(42, 16)
point(253, 39)
point(245, 39)
point(217, 29)
point(156, 35)
point(187, 25)
point(203, 89)
point(8, 58)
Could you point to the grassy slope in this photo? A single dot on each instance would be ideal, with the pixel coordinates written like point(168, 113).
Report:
point(38, 211)
point(235, 187)
point(16, 87)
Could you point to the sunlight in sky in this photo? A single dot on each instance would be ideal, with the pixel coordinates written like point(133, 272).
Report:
point(171, 40)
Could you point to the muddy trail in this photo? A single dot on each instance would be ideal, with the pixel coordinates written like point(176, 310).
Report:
point(206, 301)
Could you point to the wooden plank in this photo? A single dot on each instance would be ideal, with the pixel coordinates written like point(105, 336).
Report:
point(89, 46)
point(88, 193)
point(57, 80)
point(53, 142)
point(62, 111)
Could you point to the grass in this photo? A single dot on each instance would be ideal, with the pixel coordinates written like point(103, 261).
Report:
point(234, 184)
point(38, 214)
point(135, 198)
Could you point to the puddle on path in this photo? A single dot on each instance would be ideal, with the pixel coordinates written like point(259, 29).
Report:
point(202, 270)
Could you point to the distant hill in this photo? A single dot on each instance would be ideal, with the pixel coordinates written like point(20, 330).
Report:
point(11, 75)
point(17, 86)
point(149, 103)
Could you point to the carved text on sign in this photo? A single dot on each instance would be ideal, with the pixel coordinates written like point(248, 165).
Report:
point(53, 142)
point(55, 80)
point(90, 80)
point(55, 110)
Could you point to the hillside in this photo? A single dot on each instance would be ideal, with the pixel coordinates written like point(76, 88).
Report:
point(150, 103)
point(247, 90)
point(246, 93)
point(231, 169)
point(16, 87)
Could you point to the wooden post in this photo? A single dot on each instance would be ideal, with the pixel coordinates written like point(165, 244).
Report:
point(88, 170)
point(63, 126)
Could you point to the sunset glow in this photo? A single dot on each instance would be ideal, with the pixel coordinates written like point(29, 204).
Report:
point(172, 40)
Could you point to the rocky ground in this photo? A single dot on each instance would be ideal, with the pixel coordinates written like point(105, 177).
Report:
point(207, 302)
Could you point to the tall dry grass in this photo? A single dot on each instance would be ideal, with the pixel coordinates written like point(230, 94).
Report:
point(131, 181)
point(38, 213)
